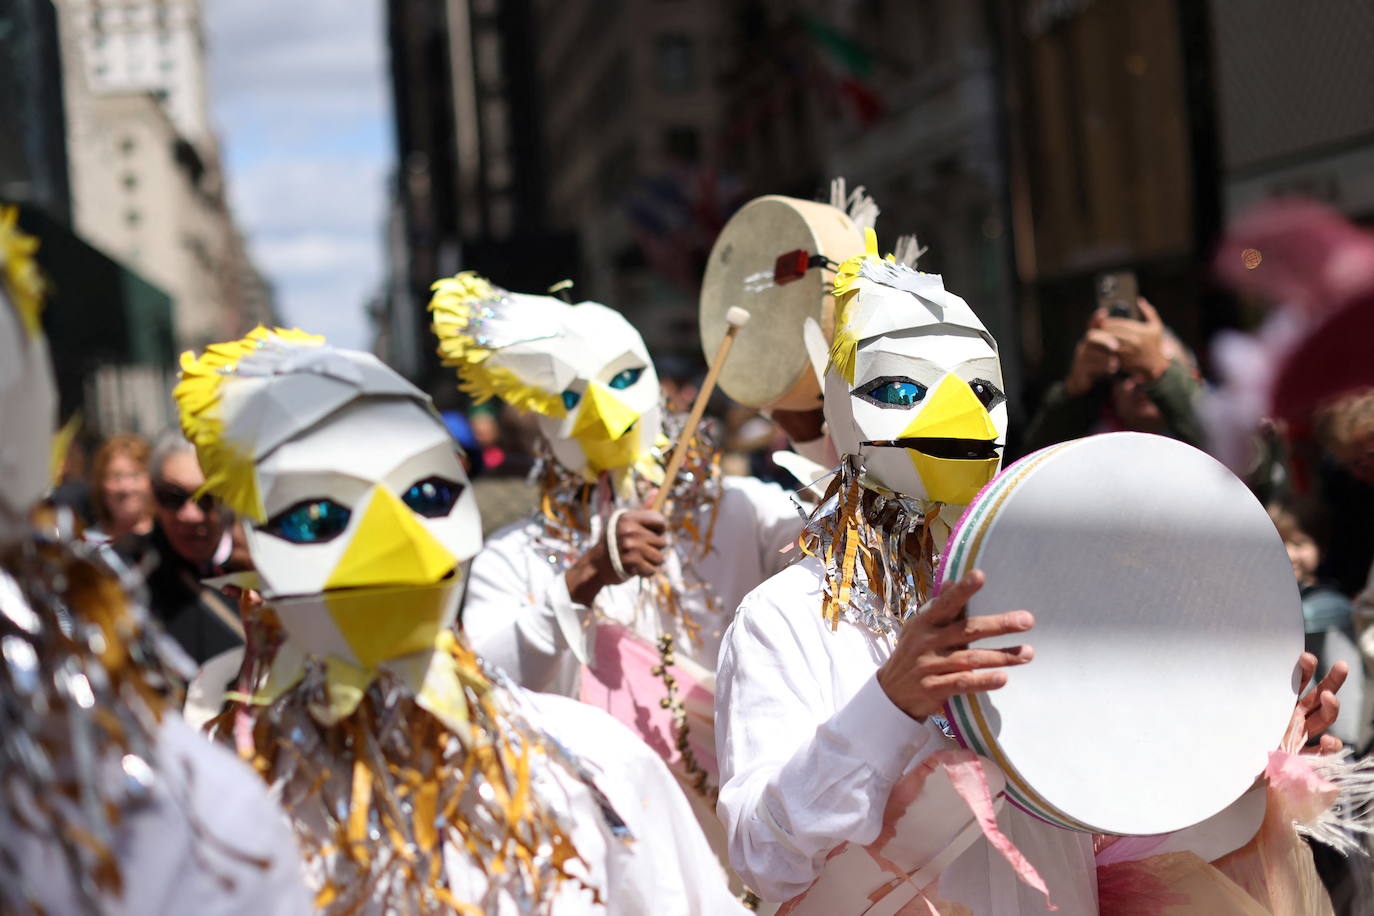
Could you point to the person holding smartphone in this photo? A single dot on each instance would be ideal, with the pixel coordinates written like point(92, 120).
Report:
point(1129, 372)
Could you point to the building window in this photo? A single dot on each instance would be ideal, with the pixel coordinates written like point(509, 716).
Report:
point(166, 65)
point(682, 144)
point(132, 217)
point(126, 146)
point(675, 64)
point(130, 181)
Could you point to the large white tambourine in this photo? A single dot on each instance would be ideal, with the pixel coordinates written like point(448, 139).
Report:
point(1168, 627)
point(769, 365)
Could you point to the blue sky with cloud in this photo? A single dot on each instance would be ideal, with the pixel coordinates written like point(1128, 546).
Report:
point(300, 93)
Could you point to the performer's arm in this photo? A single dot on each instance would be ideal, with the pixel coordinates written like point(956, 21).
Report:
point(760, 517)
point(802, 771)
point(526, 615)
point(798, 776)
point(518, 613)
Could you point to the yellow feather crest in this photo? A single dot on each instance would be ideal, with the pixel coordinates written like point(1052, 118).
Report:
point(845, 347)
point(20, 272)
point(230, 468)
point(460, 305)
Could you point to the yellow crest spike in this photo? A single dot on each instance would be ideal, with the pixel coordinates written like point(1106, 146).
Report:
point(952, 412)
point(61, 445)
point(603, 415)
point(870, 242)
point(390, 547)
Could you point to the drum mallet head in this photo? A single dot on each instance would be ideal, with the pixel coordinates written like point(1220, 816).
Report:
point(737, 317)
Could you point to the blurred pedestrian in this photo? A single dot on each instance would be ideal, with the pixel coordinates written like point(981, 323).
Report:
point(122, 490)
point(1346, 478)
point(72, 492)
point(191, 539)
point(1127, 374)
point(1326, 620)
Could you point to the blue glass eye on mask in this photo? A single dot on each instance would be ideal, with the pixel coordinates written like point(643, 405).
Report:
point(433, 497)
point(315, 521)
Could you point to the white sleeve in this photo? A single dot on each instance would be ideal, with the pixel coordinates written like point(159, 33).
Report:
point(669, 868)
point(799, 776)
point(222, 847)
point(776, 521)
point(821, 450)
point(518, 614)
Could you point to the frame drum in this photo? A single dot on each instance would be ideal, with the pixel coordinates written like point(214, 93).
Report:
point(1168, 628)
point(768, 366)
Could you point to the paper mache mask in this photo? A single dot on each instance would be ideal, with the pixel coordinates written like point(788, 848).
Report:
point(28, 396)
point(360, 514)
point(914, 384)
point(582, 368)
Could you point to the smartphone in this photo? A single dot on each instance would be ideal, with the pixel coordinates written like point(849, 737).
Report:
point(1117, 293)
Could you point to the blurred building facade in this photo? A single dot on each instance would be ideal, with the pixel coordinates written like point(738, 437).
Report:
point(101, 316)
point(470, 190)
point(113, 165)
point(1111, 163)
point(1030, 144)
point(633, 108)
point(901, 98)
point(1296, 116)
point(146, 46)
point(147, 186)
point(33, 156)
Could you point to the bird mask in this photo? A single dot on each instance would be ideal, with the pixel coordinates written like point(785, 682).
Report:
point(913, 385)
point(360, 514)
point(582, 368)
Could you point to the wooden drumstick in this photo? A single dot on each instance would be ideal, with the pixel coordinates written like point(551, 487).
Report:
point(735, 319)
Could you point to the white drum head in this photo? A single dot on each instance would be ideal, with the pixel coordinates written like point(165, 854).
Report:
point(1168, 628)
point(768, 359)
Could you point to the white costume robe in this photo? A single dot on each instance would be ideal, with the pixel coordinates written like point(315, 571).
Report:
point(668, 868)
point(810, 747)
point(211, 842)
point(519, 616)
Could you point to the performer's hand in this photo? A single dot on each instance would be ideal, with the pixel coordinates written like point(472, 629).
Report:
point(1319, 708)
point(641, 538)
point(932, 661)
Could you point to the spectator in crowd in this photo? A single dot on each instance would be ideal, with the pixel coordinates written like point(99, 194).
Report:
point(504, 491)
point(1327, 621)
point(122, 491)
point(72, 491)
point(191, 539)
point(1127, 374)
point(1346, 431)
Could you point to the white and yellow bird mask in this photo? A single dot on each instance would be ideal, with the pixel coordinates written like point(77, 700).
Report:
point(914, 383)
point(582, 368)
point(361, 516)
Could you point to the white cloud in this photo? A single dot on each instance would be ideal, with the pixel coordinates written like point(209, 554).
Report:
point(315, 255)
point(300, 92)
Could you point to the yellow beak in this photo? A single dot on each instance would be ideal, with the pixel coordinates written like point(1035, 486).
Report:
point(603, 429)
point(953, 412)
point(603, 415)
point(391, 547)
